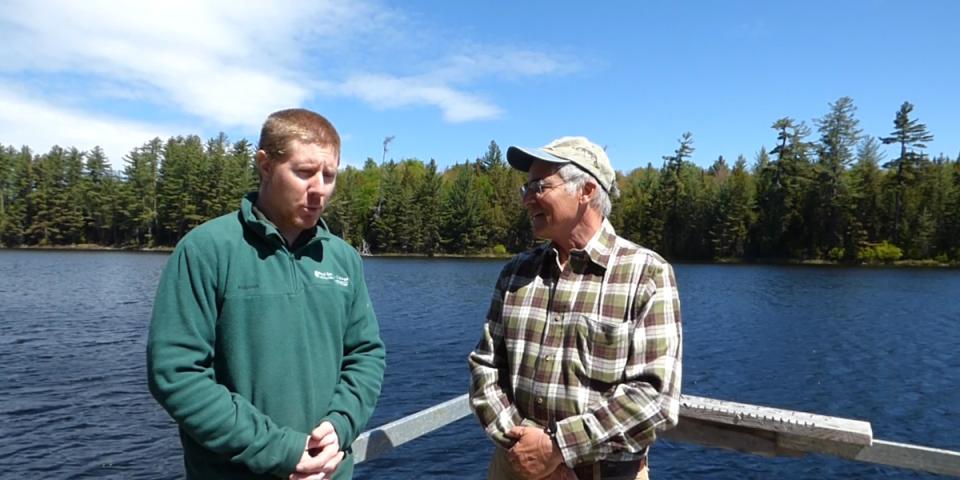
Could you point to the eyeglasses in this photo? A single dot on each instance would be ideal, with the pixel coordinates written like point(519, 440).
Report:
point(536, 187)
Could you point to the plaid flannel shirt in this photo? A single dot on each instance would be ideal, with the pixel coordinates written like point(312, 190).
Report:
point(595, 348)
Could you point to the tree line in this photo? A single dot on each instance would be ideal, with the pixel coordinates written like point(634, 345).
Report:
point(833, 197)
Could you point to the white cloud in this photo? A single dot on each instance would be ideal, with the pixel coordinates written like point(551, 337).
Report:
point(222, 64)
point(226, 62)
point(503, 62)
point(40, 126)
point(384, 92)
point(437, 86)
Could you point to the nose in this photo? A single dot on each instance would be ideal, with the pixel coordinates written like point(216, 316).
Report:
point(316, 183)
point(315, 189)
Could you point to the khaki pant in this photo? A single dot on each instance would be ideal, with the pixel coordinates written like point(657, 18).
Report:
point(500, 469)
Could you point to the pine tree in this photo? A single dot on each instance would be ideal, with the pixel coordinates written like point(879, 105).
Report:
point(340, 210)
point(934, 197)
point(9, 216)
point(241, 171)
point(719, 169)
point(787, 201)
point(675, 194)
point(695, 213)
point(19, 211)
point(48, 199)
point(462, 212)
point(54, 222)
point(72, 219)
point(370, 185)
point(139, 194)
point(641, 208)
point(7, 155)
point(953, 216)
point(734, 212)
point(428, 200)
point(839, 135)
point(382, 237)
point(217, 185)
point(673, 166)
point(910, 134)
point(181, 188)
point(405, 210)
point(769, 226)
point(866, 206)
point(503, 206)
point(97, 204)
point(492, 159)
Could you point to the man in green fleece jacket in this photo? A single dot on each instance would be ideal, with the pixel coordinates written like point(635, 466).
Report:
point(263, 345)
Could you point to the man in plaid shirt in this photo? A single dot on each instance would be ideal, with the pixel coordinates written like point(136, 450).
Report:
point(580, 360)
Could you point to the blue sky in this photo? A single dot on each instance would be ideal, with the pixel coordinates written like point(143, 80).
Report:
point(445, 78)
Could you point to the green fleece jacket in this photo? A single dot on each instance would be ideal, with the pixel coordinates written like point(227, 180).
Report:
point(253, 345)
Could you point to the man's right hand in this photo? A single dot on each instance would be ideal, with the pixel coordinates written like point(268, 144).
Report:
point(321, 454)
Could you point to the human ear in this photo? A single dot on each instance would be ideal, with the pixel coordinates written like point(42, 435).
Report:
point(264, 164)
point(587, 192)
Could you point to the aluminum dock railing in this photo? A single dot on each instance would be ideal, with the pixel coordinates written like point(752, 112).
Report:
point(715, 423)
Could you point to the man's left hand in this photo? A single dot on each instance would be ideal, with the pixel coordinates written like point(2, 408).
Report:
point(534, 455)
point(321, 454)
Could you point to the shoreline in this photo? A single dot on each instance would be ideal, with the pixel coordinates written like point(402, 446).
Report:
point(929, 263)
point(89, 247)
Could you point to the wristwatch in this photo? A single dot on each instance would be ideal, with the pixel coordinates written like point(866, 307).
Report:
point(551, 431)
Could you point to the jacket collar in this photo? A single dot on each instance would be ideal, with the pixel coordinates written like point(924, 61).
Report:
point(257, 222)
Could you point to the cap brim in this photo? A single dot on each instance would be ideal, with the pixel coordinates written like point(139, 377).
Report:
point(521, 158)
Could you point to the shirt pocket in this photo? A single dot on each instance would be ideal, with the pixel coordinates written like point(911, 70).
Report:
point(602, 347)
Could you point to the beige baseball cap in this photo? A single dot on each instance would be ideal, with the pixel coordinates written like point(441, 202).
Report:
point(579, 151)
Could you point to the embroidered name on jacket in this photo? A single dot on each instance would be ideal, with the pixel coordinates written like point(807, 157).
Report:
point(342, 281)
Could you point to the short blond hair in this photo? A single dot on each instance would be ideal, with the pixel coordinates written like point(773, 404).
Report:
point(284, 126)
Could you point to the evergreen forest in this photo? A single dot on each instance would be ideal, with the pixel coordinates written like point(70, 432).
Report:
point(823, 192)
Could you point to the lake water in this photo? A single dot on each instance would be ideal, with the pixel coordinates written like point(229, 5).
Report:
point(873, 344)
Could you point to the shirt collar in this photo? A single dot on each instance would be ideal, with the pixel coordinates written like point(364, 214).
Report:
point(600, 246)
point(256, 220)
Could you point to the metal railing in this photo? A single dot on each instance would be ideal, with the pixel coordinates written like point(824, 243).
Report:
point(720, 424)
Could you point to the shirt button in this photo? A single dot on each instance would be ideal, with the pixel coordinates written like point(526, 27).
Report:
point(539, 400)
point(549, 358)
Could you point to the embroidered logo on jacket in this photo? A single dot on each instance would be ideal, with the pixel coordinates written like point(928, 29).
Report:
point(342, 281)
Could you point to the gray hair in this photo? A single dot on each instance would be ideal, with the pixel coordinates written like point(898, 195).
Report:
point(574, 179)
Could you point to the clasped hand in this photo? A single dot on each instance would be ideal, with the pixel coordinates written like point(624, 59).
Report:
point(321, 454)
point(535, 456)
